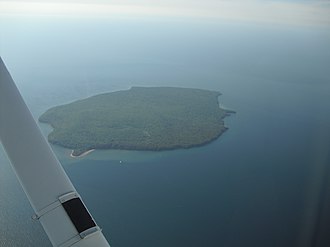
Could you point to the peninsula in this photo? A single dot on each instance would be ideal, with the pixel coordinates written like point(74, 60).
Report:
point(141, 118)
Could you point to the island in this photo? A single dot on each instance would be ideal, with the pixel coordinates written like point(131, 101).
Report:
point(141, 118)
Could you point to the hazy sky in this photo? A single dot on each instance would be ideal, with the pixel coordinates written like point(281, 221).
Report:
point(296, 12)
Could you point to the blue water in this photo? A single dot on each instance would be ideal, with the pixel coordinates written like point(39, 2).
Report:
point(257, 185)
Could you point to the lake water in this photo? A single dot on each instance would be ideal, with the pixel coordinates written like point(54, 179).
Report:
point(257, 185)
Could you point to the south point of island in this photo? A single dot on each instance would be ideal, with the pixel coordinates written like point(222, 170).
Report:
point(141, 118)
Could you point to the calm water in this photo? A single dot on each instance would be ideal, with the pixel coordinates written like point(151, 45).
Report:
point(257, 185)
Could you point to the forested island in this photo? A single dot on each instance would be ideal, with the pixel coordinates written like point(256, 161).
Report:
point(141, 118)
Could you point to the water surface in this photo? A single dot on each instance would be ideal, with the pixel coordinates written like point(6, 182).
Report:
point(254, 186)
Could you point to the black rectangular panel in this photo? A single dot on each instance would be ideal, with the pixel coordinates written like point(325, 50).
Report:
point(78, 214)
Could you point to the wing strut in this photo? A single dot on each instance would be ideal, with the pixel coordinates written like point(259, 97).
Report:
point(57, 204)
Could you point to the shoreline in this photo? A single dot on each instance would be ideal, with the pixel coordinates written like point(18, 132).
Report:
point(156, 150)
point(81, 155)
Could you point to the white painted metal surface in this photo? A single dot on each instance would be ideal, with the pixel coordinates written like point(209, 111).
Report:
point(38, 170)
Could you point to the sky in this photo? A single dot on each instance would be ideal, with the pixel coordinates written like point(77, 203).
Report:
point(289, 12)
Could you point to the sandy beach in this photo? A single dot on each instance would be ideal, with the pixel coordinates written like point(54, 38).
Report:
point(81, 155)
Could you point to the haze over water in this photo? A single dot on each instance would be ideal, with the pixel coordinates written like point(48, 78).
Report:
point(257, 185)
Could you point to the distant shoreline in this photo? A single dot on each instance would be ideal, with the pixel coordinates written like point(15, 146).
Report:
point(81, 155)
